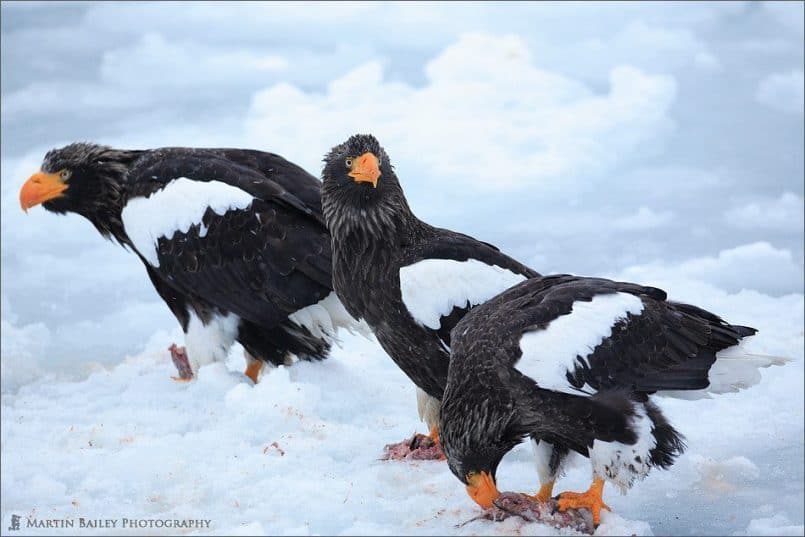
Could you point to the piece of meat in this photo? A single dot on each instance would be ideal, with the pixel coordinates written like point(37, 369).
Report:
point(510, 504)
point(419, 447)
point(179, 357)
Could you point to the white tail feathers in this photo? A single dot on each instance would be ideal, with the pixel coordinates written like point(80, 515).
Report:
point(735, 369)
point(324, 318)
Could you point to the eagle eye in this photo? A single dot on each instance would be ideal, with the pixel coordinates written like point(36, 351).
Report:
point(65, 174)
point(348, 162)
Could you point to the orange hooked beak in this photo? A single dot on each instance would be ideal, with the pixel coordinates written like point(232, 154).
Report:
point(41, 187)
point(481, 488)
point(365, 169)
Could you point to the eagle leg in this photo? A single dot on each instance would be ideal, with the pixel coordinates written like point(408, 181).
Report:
point(434, 436)
point(253, 369)
point(544, 494)
point(592, 499)
point(179, 357)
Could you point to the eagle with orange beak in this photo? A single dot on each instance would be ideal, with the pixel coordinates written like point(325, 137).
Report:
point(411, 282)
point(233, 241)
point(572, 364)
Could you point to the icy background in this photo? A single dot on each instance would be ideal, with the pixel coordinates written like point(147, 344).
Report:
point(657, 143)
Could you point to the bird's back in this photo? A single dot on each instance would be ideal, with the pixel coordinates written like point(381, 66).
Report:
point(262, 174)
point(582, 335)
point(240, 230)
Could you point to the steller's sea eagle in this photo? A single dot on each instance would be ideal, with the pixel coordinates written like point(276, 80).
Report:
point(233, 240)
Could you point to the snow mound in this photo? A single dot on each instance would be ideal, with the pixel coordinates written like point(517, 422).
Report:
point(778, 525)
point(298, 452)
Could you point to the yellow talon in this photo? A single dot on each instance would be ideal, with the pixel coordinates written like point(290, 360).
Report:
point(253, 370)
point(545, 492)
point(592, 500)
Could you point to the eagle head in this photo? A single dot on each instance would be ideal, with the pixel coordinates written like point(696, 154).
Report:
point(360, 190)
point(475, 435)
point(83, 178)
point(359, 162)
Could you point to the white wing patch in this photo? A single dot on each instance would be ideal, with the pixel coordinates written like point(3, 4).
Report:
point(548, 354)
point(181, 204)
point(326, 316)
point(433, 287)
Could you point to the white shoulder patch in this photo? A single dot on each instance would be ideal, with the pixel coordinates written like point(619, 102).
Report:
point(181, 204)
point(433, 287)
point(548, 354)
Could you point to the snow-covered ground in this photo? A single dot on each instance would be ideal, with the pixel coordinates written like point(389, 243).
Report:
point(643, 141)
point(298, 452)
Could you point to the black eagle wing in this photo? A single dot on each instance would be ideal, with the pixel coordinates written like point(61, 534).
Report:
point(448, 245)
point(266, 176)
point(667, 346)
point(261, 262)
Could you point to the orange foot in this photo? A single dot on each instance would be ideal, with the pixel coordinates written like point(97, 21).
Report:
point(545, 492)
point(253, 370)
point(434, 435)
point(592, 500)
